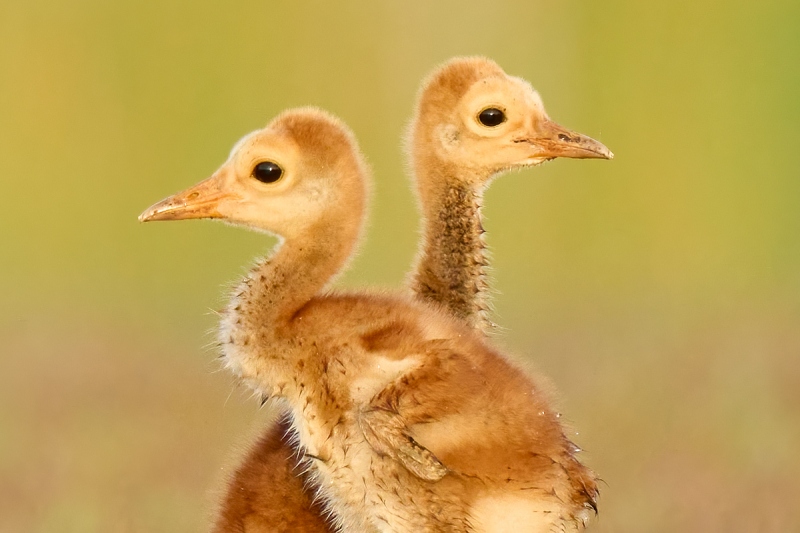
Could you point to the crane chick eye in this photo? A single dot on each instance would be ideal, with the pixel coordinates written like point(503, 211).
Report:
point(267, 172)
point(491, 117)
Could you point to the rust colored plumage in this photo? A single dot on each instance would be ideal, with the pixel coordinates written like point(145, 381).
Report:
point(267, 492)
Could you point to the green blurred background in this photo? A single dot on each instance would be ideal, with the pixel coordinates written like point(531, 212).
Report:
point(660, 291)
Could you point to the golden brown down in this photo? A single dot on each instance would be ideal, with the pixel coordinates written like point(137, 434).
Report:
point(450, 266)
point(408, 421)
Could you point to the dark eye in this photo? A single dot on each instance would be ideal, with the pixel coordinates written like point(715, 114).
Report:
point(491, 116)
point(267, 172)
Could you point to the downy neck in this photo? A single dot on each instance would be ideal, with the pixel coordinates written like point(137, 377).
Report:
point(450, 269)
point(279, 286)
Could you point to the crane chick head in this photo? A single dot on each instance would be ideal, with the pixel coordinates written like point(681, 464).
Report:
point(472, 115)
point(303, 169)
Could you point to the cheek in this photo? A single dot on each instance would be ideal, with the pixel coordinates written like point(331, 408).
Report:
point(448, 137)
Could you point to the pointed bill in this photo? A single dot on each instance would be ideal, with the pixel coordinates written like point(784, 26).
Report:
point(199, 201)
point(555, 140)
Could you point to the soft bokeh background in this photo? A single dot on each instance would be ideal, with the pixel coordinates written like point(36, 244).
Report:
point(660, 291)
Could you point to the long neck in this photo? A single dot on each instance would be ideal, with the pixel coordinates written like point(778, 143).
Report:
point(280, 285)
point(450, 268)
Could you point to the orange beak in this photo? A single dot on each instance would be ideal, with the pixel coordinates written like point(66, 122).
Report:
point(553, 140)
point(199, 201)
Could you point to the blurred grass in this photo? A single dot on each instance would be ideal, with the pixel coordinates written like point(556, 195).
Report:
point(659, 291)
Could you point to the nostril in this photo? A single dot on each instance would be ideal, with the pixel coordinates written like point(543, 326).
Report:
point(193, 196)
